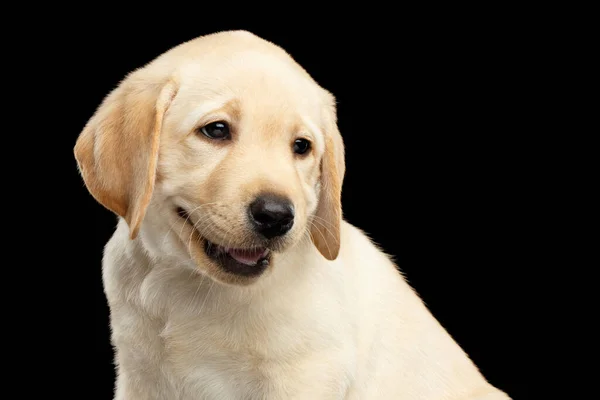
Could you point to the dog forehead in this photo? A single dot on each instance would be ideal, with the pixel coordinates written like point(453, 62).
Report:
point(235, 64)
point(247, 73)
point(251, 84)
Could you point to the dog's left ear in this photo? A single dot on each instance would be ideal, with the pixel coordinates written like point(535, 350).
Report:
point(325, 227)
point(117, 151)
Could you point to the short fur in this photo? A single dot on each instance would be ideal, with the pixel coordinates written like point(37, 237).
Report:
point(331, 317)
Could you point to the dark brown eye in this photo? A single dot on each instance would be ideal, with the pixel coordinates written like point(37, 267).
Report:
point(301, 146)
point(216, 130)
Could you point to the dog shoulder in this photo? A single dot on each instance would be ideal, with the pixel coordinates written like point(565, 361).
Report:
point(361, 251)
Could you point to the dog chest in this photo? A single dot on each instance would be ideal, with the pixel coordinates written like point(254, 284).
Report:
point(248, 360)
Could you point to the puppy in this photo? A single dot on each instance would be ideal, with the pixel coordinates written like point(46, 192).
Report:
point(231, 273)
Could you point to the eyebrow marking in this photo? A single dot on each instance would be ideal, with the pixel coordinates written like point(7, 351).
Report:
point(317, 133)
point(228, 106)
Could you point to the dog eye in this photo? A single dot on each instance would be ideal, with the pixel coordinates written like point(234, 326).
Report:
point(301, 146)
point(216, 130)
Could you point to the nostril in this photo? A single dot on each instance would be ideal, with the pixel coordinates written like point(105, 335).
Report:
point(264, 217)
point(287, 220)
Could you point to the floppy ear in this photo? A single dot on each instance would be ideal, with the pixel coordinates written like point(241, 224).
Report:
point(117, 151)
point(325, 227)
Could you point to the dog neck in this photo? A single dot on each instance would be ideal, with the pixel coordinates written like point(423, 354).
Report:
point(168, 280)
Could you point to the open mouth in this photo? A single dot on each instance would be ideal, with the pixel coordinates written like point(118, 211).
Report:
point(244, 262)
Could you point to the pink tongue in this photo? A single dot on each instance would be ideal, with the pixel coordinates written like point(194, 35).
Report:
point(248, 257)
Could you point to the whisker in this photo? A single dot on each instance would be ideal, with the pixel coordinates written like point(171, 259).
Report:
point(193, 301)
point(195, 228)
point(323, 236)
point(205, 226)
point(206, 297)
point(322, 221)
point(189, 213)
point(230, 239)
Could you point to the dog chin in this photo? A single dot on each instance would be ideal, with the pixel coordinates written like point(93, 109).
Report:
point(226, 264)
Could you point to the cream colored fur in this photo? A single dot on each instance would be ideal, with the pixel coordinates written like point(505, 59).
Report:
point(331, 318)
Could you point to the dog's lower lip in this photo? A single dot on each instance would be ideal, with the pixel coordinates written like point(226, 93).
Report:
point(232, 260)
point(243, 262)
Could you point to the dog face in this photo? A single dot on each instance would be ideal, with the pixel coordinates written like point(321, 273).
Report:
point(226, 147)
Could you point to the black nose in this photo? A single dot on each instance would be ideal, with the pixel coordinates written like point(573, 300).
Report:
point(271, 215)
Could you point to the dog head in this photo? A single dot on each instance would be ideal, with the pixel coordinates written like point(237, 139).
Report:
point(225, 148)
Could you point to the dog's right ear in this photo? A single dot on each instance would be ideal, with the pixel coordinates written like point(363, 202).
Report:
point(117, 151)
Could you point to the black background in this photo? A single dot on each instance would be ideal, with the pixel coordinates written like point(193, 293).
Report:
point(437, 168)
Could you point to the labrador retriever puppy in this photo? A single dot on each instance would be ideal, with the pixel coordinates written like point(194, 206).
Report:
point(231, 273)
